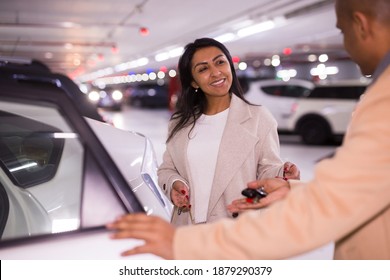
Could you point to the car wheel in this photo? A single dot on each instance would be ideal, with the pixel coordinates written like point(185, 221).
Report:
point(314, 131)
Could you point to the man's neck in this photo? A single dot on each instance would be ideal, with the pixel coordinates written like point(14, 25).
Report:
point(385, 62)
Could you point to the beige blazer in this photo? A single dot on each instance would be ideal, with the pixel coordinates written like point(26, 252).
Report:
point(249, 149)
point(348, 201)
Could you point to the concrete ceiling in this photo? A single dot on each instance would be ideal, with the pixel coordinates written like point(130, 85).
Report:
point(79, 37)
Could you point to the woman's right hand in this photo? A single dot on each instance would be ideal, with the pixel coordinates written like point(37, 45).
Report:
point(180, 194)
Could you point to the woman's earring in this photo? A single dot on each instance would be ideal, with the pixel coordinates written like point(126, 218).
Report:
point(196, 90)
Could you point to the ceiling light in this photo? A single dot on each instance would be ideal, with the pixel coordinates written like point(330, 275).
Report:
point(161, 75)
point(267, 62)
point(235, 59)
point(275, 62)
point(260, 27)
point(323, 58)
point(286, 74)
point(312, 57)
point(76, 62)
point(161, 56)
point(144, 31)
point(142, 61)
point(114, 49)
point(48, 55)
point(242, 66)
point(287, 51)
point(321, 69)
point(69, 24)
point(68, 46)
point(227, 37)
point(152, 76)
point(172, 73)
point(176, 52)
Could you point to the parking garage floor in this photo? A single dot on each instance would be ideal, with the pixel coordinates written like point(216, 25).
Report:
point(154, 123)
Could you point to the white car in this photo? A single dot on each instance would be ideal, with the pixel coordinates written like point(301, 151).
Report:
point(324, 114)
point(278, 96)
point(64, 176)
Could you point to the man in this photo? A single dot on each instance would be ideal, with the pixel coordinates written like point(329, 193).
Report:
point(348, 200)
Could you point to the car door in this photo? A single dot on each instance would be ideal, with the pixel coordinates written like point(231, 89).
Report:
point(58, 185)
point(278, 97)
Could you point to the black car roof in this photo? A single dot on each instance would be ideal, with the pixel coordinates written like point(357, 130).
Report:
point(33, 71)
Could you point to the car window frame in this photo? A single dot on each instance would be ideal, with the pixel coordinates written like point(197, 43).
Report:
point(66, 104)
point(11, 91)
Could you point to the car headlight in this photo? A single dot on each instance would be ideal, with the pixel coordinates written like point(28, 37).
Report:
point(117, 95)
point(94, 96)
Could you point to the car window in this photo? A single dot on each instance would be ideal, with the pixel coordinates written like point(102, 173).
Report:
point(48, 175)
point(29, 154)
point(338, 92)
point(286, 90)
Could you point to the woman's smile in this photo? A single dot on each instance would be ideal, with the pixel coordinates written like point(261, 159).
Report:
point(218, 82)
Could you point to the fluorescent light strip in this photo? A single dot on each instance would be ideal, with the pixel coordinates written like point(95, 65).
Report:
point(227, 37)
point(260, 27)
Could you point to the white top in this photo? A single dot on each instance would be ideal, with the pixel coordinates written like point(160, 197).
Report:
point(202, 153)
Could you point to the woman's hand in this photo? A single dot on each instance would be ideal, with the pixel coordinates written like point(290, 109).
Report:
point(156, 232)
point(276, 189)
point(291, 171)
point(180, 194)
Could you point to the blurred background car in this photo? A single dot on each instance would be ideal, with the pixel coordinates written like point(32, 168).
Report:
point(106, 97)
point(324, 114)
point(148, 95)
point(316, 111)
point(278, 96)
point(64, 176)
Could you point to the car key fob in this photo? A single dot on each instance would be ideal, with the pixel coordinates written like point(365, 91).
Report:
point(255, 194)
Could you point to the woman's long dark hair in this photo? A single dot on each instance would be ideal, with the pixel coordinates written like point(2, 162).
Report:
point(191, 104)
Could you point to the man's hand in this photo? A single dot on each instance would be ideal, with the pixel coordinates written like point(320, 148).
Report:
point(276, 188)
point(156, 232)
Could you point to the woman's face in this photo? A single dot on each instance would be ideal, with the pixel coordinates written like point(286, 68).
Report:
point(211, 72)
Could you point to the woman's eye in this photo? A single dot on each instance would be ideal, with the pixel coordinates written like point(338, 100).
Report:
point(219, 62)
point(202, 69)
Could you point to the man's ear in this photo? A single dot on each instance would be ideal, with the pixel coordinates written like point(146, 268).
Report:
point(362, 24)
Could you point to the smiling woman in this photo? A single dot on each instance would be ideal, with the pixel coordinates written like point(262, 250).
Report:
point(212, 75)
point(217, 140)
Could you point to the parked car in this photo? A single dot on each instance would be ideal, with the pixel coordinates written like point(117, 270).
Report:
point(278, 96)
point(63, 176)
point(324, 114)
point(107, 97)
point(147, 95)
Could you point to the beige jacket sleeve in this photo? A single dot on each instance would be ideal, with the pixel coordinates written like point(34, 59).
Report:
point(169, 171)
point(347, 191)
